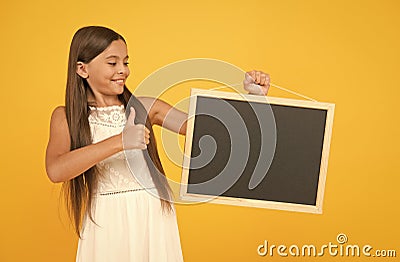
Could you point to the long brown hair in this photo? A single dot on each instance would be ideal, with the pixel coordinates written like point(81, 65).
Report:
point(87, 43)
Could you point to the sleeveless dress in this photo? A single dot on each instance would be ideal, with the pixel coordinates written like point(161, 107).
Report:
point(130, 224)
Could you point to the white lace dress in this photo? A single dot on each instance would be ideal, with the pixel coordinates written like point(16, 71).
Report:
point(130, 224)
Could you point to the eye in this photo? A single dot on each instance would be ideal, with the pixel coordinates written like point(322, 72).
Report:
point(126, 63)
point(113, 64)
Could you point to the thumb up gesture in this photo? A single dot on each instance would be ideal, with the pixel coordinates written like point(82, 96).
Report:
point(135, 136)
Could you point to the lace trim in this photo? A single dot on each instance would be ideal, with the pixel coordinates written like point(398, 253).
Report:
point(124, 191)
point(111, 116)
point(106, 108)
point(94, 122)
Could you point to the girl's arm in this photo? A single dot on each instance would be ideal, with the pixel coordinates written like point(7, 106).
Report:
point(62, 164)
point(165, 115)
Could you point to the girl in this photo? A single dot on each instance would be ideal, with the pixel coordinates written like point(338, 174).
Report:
point(114, 216)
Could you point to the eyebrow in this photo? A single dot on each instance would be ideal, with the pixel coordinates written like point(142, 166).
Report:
point(115, 56)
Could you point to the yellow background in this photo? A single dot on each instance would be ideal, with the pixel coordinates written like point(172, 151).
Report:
point(344, 52)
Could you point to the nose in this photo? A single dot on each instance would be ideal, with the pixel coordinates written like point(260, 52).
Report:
point(123, 70)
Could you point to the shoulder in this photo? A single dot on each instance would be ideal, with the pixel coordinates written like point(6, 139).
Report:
point(59, 110)
point(58, 115)
point(58, 119)
point(59, 139)
point(59, 131)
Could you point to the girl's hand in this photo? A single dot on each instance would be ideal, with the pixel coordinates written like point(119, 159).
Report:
point(256, 82)
point(135, 136)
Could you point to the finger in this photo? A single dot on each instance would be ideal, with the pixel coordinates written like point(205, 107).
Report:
point(142, 142)
point(253, 74)
point(141, 130)
point(147, 131)
point(266, 86)
point(247, 78)
point(265, 89)
point(263, 79)
point(132, 115)
point(146, 135)
point(258, 77)
point(141, 126)
point(267, 80)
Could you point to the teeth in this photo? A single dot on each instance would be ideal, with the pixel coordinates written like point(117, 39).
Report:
point(119, 81)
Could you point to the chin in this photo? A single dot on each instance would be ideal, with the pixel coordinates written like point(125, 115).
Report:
point(121, 92)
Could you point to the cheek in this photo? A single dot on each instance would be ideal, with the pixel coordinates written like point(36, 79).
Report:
point(107, 74)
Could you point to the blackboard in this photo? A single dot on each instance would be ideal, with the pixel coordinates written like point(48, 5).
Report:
point(256, 151)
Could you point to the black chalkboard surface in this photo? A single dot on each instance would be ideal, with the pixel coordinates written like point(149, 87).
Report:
point(256, 151)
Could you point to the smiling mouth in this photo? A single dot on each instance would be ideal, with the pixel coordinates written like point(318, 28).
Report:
point(119, 81)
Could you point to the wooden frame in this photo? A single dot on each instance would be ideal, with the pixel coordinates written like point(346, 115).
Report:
point(329, 107)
